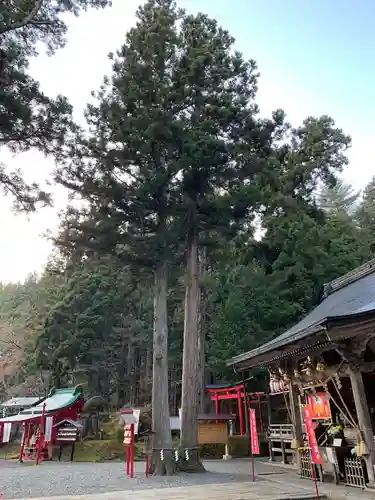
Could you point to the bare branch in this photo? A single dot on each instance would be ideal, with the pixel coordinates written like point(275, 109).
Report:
point(11, 342)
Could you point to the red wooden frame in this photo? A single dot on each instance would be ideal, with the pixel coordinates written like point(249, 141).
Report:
point(129, 449)
point(238, 392)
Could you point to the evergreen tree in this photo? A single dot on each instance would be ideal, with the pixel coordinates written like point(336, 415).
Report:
point(338, 198)
point(92, 327)
point(216, 89)
point(177, 153)
point(29, 118)
point(366, 211)
point(126, 168)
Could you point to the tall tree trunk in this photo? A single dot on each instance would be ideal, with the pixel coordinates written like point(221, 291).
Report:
point(148, 376)
point(162, 439)
point(202, 399)
point(189, 450)
point(146, 367)
point(129, 372)
point(174, 382)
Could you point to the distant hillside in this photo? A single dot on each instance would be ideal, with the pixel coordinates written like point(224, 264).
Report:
point(16, 303)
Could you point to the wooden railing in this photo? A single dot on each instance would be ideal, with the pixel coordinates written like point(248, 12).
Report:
point(280, 437)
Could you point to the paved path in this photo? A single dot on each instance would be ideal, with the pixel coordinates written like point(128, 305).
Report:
point(234, 491)
point(107, 481)
point(18, 481)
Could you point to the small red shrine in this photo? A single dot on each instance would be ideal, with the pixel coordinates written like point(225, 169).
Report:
point(40, 422)
point(244, 401)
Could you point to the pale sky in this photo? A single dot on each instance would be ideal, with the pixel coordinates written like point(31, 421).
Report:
point(307, 68)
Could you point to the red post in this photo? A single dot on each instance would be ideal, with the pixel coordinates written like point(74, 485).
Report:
point(132, 464)
point(240, 412)
point(129, 449)
point(315, 480)
point(316, 459)
point(217, 405)
point(23, 441)
point(254, 439)
point(127, 460)
point(132, 452)
point(41, 436)
point(28, 434)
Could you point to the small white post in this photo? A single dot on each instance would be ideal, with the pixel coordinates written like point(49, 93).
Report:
point(227, 456)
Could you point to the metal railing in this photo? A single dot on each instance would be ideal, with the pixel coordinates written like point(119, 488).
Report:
point(355, 472)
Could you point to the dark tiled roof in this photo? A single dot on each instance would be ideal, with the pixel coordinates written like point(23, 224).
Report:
point(352, 294)
point(223, 385)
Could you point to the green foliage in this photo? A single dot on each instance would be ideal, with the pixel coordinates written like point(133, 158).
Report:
point(261, 288)
point(366, 211)
point(175, 149)
point(241, 314)
point(15, 304)
point(96, 313)
point(256, 290)
point(126, 166)
point(338, 198)
point(29, 118)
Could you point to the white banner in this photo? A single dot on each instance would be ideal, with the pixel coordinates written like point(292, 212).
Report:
point(48, 431)
point(175, 423)
point(131, 416)
point(6, 432)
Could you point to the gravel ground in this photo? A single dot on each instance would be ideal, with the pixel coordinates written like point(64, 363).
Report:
point(53, 478)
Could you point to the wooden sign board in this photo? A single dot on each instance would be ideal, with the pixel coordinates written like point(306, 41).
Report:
point(131, 416)
point(211, 433)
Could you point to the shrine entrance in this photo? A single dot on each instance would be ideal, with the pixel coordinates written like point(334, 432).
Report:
point(238, 401)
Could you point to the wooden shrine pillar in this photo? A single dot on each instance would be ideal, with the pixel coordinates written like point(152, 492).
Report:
point(296, 420)
point(217, 405)
point(364, 419)
point(23, 440)
point(240, 411)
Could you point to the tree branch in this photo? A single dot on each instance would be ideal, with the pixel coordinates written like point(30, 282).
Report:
point(11, 342)
point(24, 22)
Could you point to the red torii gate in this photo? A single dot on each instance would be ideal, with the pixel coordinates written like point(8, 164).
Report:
point(238, 392)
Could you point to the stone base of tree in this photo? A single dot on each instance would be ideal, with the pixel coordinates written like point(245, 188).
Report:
point(190, 461)
point(159, 466)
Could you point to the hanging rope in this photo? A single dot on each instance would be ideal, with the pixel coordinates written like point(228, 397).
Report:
point(354, 423)
point(348, 418)
point(288, 409)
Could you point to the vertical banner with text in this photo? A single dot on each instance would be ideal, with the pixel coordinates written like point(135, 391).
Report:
point(254, 433)
point(315, 454)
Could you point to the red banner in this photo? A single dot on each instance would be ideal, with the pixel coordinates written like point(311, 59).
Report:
point(319, 405)
point(254, 433)
point(128, 434)
point(315, 455)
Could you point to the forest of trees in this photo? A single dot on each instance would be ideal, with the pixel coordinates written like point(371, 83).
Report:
point(92, 319)
point(202, 229)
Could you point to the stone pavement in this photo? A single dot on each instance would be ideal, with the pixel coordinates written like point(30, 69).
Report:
point(286, 487)
point(107, 481)
point(236, 491)
point(331, 491)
